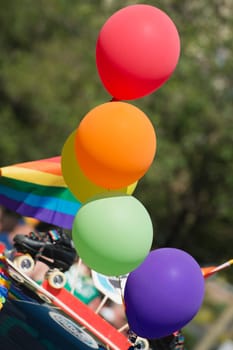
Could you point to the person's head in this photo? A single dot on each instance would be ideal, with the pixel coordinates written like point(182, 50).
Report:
point(8, 219)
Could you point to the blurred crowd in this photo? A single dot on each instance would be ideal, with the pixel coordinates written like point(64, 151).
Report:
point(79, 280)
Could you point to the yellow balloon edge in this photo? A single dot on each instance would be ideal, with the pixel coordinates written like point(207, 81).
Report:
point(79, 185)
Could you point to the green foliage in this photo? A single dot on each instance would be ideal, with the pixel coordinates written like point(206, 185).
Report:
point(49, 81)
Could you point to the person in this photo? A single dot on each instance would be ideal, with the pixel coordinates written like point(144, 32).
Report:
point(12, 224)
point(79, 282)
point(51, 247)
point(174, 341)
point(114, 314)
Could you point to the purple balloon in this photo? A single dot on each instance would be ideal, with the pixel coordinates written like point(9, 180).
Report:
point(164, 293)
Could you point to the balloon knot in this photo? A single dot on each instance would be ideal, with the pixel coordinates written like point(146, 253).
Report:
point(114, 99)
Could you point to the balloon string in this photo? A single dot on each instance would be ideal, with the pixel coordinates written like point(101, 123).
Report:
point(123, 328)
point(126, 325)
point(121, 291)
point(103, 302)
point(76, 275)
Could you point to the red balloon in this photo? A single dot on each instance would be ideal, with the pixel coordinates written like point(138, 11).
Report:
point(137, 50)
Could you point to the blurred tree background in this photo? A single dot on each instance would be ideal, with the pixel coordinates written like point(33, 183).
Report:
point(49, 81)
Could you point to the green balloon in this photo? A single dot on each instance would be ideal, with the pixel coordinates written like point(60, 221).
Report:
point(113, 235)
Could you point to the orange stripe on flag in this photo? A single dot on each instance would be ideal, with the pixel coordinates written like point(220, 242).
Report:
point(44, 165)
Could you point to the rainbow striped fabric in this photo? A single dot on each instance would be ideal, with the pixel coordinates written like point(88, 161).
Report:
point(37, 189)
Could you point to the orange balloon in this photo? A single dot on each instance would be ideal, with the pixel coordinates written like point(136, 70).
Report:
point(81, 187)
point(115, 144)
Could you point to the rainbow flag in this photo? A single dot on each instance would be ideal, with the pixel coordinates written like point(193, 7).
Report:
point(37, 189)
